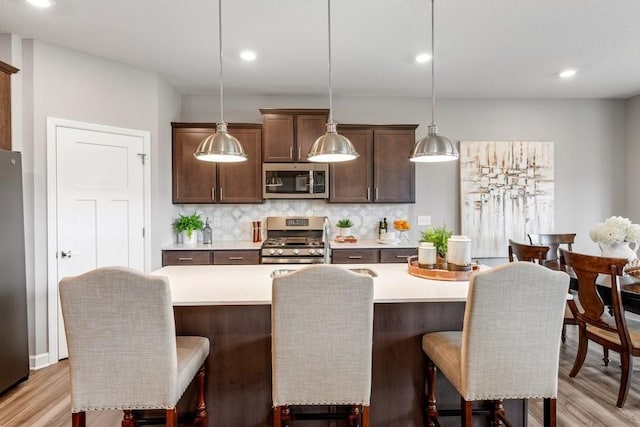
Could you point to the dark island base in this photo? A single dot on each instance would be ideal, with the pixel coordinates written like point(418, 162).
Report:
point(239, 367)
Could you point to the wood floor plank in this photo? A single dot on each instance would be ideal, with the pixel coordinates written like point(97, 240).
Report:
point(586, 400)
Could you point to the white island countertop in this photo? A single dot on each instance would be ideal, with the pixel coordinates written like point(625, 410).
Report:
point(251, 284)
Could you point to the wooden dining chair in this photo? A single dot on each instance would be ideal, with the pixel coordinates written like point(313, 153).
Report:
point(553, 240)
point(538, 254)
point(594, 322)
point(508, 347)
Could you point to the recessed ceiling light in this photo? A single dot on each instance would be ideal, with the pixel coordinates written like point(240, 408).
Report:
point(567, 74)
point(423, 57)
point(41, 3)
point(248, 55)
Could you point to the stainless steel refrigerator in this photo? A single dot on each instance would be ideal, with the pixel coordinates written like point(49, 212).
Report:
point(14, 351)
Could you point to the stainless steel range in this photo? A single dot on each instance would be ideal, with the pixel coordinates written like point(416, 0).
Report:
point(295, 240)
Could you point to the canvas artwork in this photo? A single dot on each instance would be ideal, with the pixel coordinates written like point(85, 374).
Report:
point(507, 190)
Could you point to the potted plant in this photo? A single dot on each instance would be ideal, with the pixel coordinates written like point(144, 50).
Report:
point(344, 225)
point(438, 236)
point(188, 225)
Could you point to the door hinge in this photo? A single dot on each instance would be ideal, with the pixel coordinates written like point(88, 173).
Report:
point(143, 232)
point(142, 156)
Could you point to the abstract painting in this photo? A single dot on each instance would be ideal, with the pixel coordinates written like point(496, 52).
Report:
point(506, 190)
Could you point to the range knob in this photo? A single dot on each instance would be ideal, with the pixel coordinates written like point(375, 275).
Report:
point(280, 251)
point(272, 251)
point(296, 252)
point(312, 251)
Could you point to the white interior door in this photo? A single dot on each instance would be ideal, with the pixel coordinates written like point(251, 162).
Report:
point(100, 204)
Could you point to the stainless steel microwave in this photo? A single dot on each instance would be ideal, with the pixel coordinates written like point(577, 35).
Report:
point(295, 180)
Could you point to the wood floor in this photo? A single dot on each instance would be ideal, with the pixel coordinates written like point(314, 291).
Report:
point(587, 400)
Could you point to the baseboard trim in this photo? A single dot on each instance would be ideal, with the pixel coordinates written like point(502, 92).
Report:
point(39, 361)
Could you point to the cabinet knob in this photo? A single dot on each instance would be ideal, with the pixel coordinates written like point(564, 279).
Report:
point(213, 193)
point(355, 256)
point(185, 259)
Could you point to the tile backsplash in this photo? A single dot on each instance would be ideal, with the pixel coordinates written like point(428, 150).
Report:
point(235, 221)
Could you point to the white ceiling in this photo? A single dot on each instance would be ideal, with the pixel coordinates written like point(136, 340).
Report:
point(488, 48)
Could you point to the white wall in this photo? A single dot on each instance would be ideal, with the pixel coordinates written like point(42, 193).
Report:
point(633, 159)
point(589, 137)
point(66, 84)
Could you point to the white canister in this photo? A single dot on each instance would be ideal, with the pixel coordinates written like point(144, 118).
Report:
point(459, 253)
point(426, 255)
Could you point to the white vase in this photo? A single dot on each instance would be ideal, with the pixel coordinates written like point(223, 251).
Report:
point(345, 231)
point(620, 250)
point(190, 241)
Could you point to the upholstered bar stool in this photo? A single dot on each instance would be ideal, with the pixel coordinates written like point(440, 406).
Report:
point(509, 346)
point(123, 349)
point(322, 331)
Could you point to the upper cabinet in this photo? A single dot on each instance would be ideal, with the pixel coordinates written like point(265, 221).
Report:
point(196, 181)
point(290, 133)
point(382, 173)
point(5, 104)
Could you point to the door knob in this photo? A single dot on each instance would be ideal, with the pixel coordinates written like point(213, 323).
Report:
point(66, 254)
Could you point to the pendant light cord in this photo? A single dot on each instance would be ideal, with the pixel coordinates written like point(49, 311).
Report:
point(220, 59)
point(433, 65)
point(329, 37)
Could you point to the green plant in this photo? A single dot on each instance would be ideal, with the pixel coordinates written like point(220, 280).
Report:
point(344, 223)
point(188, 223)
point(438, 236)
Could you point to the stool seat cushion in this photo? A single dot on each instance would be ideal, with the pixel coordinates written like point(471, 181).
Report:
point(192, 352)
point(443, 348)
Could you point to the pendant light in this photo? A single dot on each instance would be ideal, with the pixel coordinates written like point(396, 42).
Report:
point(433, 147)
point(221, 146)
point(331, 147)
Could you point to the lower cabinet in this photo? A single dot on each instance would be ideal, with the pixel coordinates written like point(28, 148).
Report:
point(236, 257)
point(205, 257)
point(186, 258)
point(371, 256)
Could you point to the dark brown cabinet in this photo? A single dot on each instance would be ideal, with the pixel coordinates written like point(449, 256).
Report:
point(5, 104)
point(289, 134)
point(205, 257)
point(195, 181)
point(371, 256)
point(186, 258)
point(236, 257)
point(382, 173)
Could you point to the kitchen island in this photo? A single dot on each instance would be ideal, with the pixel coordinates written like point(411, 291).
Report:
point(231, 306)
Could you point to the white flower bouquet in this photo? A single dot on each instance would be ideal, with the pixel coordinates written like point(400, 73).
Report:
point(615, 229)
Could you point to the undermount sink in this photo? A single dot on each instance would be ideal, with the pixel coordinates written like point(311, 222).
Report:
point(281, 271)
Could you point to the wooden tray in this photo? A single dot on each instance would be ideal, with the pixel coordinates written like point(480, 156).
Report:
point(438, 274)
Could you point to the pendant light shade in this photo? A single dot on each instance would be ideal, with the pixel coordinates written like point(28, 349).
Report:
point(221, 146)
point(433, 147)
point(331, 147)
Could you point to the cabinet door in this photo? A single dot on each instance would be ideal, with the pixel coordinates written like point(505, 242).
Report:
point(236, 257)
point(393, 173)
point(186, 258)
point(309, 127)
point(354, 256)
point(194, 181)
point(242, 182)
point(397, 255)
point(278, 137)
point(350, 182)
